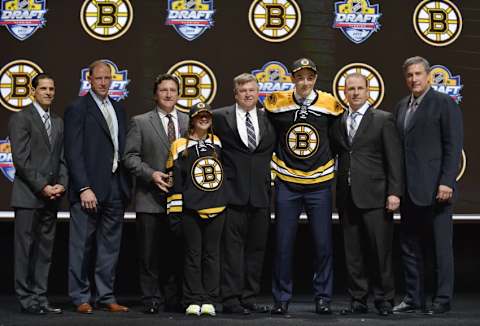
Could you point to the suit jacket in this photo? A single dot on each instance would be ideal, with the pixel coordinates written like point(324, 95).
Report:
point(248, 179)
point(146, 151)
point(37, 162)
point(432, 145)
point(89, 149)
point(374, 160)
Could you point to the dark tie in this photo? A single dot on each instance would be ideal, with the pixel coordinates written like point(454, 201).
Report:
point(48, 126)
point(353, 126)
point(412, 107)
point(170, 129)
point(252, 142)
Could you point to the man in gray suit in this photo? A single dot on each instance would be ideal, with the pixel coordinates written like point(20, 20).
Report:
point(147, 146)
point(36, 137)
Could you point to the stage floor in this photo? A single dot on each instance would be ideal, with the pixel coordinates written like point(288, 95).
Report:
point(465, 311)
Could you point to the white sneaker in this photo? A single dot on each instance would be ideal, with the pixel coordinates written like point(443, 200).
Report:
point(208, 309)
point(193, 310)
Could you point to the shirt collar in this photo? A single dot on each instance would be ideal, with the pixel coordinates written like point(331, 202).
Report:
point(362, 109)
point(419, 99)
point(163, 114)
point(243, 112)
point(39, 109)
point(98, 99)
point(310, 97)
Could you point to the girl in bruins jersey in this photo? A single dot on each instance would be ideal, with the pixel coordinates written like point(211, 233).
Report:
point(197, 202)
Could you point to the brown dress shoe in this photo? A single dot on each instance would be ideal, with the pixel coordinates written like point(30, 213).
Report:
point(114, 307)
point(84, 308)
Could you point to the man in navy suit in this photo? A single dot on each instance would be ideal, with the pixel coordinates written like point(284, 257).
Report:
point(431, 128)
point(94, 140)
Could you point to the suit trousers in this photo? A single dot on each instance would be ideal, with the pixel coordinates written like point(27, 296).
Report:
point(202, 258)
point(427, 232)
point(245, 236)
point(34, 239)
point(160, 257)
point(288, 206)
point(368, 236)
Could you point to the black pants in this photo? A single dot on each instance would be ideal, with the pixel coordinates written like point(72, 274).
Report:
point(202, 258)
point(160, 258)
point(368, 235)
point(244, 239)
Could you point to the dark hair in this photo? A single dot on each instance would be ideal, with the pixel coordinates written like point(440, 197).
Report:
point(190, 131)
point(414, 61)
point(163, 77)
point(39, 77)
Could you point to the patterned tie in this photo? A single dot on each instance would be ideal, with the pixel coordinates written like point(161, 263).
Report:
point(48, 126)
point(412, 107)
point(252, 142)
point(353, 126)
point(109, 120)
point(170, 129)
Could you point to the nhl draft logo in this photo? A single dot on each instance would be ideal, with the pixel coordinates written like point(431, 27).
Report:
point(443, 81)
point(106, 20)
point(272, 77)
point(22, 18)
point(376, 87)
point(357, 19)
point(197, 83)
point(190, 18)
point(6, 161)
point(437, 22)
point(274, 20)
point(207, 173)
point(118, 89)
point(16, 84)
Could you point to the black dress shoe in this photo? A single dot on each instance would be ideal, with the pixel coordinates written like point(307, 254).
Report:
point(51, 310)
point(404, 307)
point(280, 308)
point(356, 308)
point(33, 310)
point(151, 308)
point(235, 309)
point(322, 307)
point(384, 308)
point(256, 308)
point(438, 308)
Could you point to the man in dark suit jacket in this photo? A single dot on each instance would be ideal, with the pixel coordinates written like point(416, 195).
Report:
point(36, 137)
point(146, 151)
point(98, 193)
point(369, 186)
point(431, 129)
point(248, 140)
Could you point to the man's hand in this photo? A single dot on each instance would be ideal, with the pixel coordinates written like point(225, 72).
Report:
point(59, 190)
point(444, 193)
point(161, 180)
point(392, 203)
point(49, 192)
point(88, 200)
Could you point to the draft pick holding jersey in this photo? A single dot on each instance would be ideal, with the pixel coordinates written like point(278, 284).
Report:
point(197, 178)
point(302, 157)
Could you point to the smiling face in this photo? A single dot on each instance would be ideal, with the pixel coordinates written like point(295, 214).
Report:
point(246, 95)
point(304, 80)
point(416, 77)
point(100, 80)
point(356, 92)
point(166, 95)
point(202, 122)
point(44, 93)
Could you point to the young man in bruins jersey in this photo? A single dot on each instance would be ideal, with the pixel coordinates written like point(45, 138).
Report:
point(304, 169)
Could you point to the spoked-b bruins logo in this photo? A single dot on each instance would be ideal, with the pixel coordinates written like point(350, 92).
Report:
point(106, 20)
point(437, 22)
point(302, 140)
point(375, 83)
point(274, 20)
point(16, 84)
point(207, 173)
point(197, 83)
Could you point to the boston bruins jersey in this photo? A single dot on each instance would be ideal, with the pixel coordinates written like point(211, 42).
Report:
point(198, 177)
point(302, 157)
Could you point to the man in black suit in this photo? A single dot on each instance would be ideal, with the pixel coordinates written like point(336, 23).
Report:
point(431, 129)
point(36, 137)
point(94, 140)
point(369, 186)
point(247, 140)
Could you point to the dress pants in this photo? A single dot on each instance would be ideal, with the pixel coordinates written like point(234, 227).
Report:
point(160, 257)
point(34, 238)
point(202, 258)
point(427, 231)
point(368, 236)
point(288, 206)
point(245, 236)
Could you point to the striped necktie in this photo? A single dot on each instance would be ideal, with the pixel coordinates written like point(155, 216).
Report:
point(353, 126)
point(170, 129)
point(48, 126)
point(252, 141)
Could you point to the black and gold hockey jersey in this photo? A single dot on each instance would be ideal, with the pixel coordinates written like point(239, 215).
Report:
point(198, 177)
point(302, 157)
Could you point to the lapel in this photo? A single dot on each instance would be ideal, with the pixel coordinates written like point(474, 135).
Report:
point(95, 110)
point(343, 128)
point(231, 117)
point(38, 123)
point(401, 114)
point(367, 118)
point(182, 122)
point(419, 112)
point(262, 125)
point(158, 127)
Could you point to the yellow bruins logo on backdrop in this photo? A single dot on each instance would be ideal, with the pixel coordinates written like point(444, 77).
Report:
point(375, 85)
point(274, 20)
point(106, 20)
point(16, 84)
point(207, 173)
point(302, 140)
point(197, 83)
point(437, 22)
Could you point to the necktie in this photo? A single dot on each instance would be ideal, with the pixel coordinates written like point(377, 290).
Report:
point(170, 129)
point(109, 120)
point(48, 126)
point(252, 142)
point(353, 126)
point(410, 111)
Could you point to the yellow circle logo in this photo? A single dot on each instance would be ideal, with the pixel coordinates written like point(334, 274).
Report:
point(274, 20)
point(16, 84)
point(437, 22)
point(302, 140)
point(207, 173)
point(197, 83)
point(106, 20)
point(375, 83)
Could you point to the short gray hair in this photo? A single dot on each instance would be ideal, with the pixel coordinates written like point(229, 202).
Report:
point(96, 63)
point(414, 61)
point(243, 79)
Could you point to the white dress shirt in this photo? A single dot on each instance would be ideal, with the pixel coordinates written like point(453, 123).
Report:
point(242, 126)
point(359, 117)
point(42, 112)
point(163, 117)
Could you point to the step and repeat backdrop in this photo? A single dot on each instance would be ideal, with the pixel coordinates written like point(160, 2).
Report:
point(208, 42)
